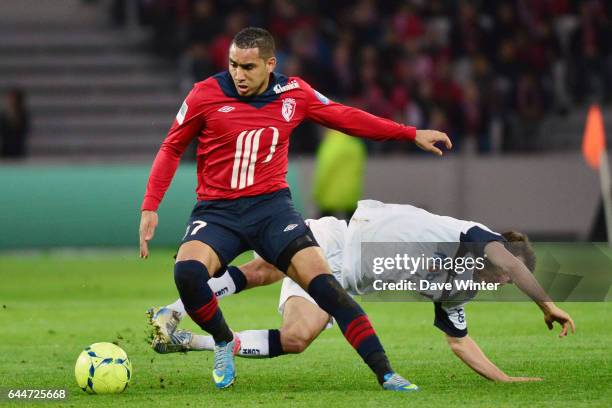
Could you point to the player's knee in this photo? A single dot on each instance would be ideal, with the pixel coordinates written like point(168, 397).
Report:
point(295, 341)
point(189, 274)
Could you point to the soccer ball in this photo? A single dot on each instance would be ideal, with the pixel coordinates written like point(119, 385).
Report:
point(103, 368)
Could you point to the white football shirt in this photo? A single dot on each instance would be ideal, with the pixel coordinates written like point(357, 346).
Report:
point(420, 232)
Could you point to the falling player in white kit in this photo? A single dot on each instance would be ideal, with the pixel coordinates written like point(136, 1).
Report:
point(509, 258)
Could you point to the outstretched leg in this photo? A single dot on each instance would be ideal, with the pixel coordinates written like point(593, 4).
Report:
point(303, 321)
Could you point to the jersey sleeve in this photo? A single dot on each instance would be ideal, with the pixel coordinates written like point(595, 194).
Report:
point(476, 237)
point(187, 125)
point(352, 121)
point(451, 320)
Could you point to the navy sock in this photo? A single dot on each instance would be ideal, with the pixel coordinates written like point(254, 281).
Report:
point(353, 322)
point(199, 300)
point(238, 277)
point(274, 343)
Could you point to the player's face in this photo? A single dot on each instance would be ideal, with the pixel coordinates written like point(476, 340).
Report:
point(250, 72)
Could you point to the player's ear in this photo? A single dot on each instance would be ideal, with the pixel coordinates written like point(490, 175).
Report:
point(271, 64)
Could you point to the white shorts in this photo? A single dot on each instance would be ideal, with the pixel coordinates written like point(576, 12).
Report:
point(290, 289)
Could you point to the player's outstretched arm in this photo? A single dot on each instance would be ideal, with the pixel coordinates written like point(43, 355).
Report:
point(260, 273)
point(520, 275)
point(468, 351)
point(148, 223)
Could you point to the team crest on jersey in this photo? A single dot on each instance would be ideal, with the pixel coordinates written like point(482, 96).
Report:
point(288, 109)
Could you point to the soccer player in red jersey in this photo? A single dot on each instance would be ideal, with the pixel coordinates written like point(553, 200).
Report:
point(243, 119)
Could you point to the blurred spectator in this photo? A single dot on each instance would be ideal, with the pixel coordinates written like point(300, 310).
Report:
point(14, 125)
point(340, 71)
point(530, 109)
point(204, 23)
point(169, 19)
point(590, 47)
point(407, 25)
point(475, 118)
point(196, 65)
point(364, 21)
point(118, 12)
point(467, 33)
point(219, 46)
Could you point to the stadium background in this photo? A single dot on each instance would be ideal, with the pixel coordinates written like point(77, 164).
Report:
point(510, 81)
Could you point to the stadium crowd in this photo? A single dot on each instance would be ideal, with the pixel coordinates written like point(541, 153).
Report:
point(485, 72)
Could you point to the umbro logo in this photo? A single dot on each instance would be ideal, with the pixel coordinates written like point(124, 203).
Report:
point(290, 227)
point(226, 109)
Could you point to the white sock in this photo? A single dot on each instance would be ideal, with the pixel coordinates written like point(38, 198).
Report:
point(178, 307)
point(199, 342)
point(221, 287)
point(253, 343)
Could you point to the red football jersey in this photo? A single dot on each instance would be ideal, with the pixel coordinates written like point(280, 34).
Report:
point(244, 142)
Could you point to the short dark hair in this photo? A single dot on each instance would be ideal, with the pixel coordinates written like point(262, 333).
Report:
point(255, 37)
point(518, 244)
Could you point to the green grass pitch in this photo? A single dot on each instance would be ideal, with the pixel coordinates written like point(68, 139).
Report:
point(52, 306)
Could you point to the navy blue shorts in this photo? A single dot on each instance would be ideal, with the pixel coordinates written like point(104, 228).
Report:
point(266, 223)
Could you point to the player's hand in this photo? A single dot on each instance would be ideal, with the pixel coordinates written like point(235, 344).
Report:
point(560, 316)
point(427, 139)
point(148, 223)
point(524, 379)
